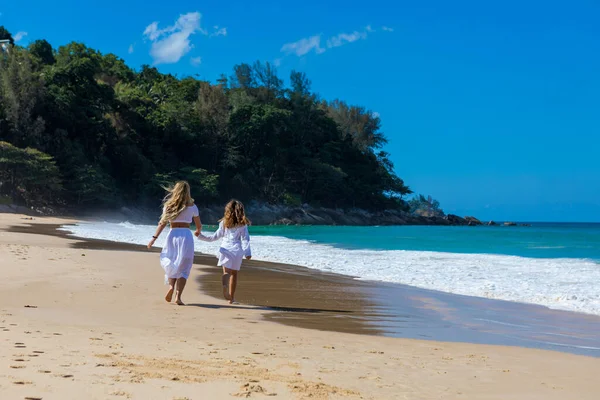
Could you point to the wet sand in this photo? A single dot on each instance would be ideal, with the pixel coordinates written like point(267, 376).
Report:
point(88, 317)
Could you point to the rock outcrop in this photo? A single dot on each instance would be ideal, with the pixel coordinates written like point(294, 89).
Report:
point(455, 220)
point(268, 214)
point(472, 221)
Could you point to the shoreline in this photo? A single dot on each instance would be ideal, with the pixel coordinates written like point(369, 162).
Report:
point(384, 309)
point(84, 320)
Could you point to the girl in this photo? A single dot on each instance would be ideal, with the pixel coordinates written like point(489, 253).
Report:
point(177, 255)
point(233, 228)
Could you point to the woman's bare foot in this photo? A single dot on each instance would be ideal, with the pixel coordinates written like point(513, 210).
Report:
point(179, 302)
point(169, 295)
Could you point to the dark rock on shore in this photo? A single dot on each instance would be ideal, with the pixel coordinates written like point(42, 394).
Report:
point(268, 214)
point(455, 220)
point(472, 221)
point(492, 223)
point(510, 224)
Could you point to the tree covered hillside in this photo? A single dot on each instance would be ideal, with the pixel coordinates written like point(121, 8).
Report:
point(81, 128)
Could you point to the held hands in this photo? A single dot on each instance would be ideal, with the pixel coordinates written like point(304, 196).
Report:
point(198, 229)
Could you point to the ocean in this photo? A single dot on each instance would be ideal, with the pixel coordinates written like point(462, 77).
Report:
point(552, 264)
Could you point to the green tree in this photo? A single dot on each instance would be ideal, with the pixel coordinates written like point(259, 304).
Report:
point(28, 176)
point(20, 97)
point(42, 51)
point(117, 134)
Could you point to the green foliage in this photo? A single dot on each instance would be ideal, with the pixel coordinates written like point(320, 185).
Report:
point(42, 51)
point(21, 94)
point(292, 200)
point(119, 135)
point(28, 175)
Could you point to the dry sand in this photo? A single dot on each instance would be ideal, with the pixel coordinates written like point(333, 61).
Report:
point(92, 324)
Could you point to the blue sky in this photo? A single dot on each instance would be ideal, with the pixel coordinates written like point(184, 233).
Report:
point(494, 109)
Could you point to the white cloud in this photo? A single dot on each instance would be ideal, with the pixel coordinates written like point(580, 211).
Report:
point(277, 62)
point(345, 38)
point(375, 114)
point(304, 46)
point(152, 31)
point(19, 36)
point(387, 29)
point(196, 61)
point(131, 49)
point(219, 32)
point(170, 44)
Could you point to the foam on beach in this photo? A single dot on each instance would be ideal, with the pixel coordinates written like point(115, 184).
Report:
point(560, 283)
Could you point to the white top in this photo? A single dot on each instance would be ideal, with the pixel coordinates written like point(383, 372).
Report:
point(235, 240)
point(187, 215)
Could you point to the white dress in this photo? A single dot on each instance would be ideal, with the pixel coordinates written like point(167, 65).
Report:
point(235, 245)
point(177, 256)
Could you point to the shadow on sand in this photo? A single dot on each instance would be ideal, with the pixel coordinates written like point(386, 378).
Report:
point(267, 308)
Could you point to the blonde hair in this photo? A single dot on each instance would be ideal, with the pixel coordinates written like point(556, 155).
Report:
point(177, 199)
point(235, 215)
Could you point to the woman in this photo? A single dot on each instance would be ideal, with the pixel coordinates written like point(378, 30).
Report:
point(233, 229)
point(177, 255)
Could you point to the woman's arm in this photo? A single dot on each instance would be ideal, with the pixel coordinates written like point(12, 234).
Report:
point(198, 225)
point(246, 243)
point(159, 230)
point(213, 237)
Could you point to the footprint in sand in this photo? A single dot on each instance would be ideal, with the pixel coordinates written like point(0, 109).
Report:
point(44, 371)
point(17, 366)
point(33, 398)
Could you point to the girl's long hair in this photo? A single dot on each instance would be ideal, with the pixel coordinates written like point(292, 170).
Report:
point(235, 215)
point(177, 199)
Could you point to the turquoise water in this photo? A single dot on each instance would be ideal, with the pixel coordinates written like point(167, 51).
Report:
point(541, 240)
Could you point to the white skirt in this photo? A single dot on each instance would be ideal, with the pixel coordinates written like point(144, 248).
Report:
point(177, 255)
point(230, 259)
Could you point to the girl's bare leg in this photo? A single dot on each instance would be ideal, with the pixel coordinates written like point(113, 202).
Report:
point(225, 283)
point(180, 284)
point(169, 295)
point(232, 284)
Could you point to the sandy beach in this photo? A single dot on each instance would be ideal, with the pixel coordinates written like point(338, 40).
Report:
point(79, 322)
